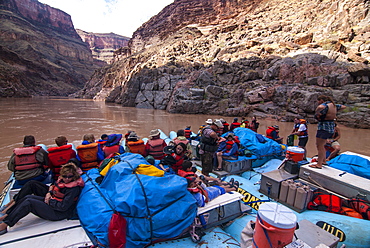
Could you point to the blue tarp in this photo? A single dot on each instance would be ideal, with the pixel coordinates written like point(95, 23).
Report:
point(352, 164)
point(251, 141)
point(154, 207)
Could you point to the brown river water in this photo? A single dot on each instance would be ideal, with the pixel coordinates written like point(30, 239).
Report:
point(48, 118)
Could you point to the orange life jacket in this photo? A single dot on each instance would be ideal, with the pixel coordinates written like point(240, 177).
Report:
point(269, 131)
point(136, 146)
point(156, 148)
point(183, 173)
point(56, 188)
point(187, 133)
point(59, 156)
point(108, 150)
point(25, 158)
point(88, 155)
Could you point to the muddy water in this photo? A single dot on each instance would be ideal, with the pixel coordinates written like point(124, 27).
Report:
point(48, 118)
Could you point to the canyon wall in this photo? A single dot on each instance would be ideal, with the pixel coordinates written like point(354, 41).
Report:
point(40, 51)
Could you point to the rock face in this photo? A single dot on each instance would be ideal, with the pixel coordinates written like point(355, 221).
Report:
point(103, 46)
point(245, 57)
point(40, 51)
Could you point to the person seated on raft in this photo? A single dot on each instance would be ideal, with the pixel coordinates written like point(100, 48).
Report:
point(58, 204)
point(176, 155)
point(89, 153)
point(273, 133)
point(134, 144)
point(228, 149)
point(182, 139)
point(155, 145)
point(204, 194)
point(34, 187)
point(187, 170)
point(112, 145)
point(102, 140)
point(59, 155)
point(28, 162)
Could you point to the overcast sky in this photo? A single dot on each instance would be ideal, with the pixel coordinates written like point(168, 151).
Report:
point(104, 16)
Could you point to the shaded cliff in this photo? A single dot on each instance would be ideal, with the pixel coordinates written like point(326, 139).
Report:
point(103, 45)
point(40, 51)
point(237, 57)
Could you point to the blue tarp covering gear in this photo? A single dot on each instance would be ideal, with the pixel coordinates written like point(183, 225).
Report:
point(154, 207)
point(352, 164)
point(250, 140)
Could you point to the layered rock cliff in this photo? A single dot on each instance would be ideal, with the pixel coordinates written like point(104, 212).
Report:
point(242, 57)
point(40, 51)
point(103, 45)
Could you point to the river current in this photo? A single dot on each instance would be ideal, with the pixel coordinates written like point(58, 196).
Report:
point(48, 118)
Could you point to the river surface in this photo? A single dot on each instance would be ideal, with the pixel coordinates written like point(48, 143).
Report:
point(48, 118)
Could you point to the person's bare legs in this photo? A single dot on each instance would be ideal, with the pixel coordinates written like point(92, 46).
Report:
point(334, 153)
point(219, 160)
point(320, 145)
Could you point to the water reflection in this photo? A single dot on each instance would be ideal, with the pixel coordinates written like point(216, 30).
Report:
point(48, 118)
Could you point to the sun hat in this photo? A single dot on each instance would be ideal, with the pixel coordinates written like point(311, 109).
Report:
point(154, 132)
point(209, 121)
point(275, 126)
point(133, 136)
point(229, 134)
point(113, 139)
point(218, 123)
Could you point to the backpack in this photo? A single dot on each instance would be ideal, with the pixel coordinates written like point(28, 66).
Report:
point(361, 206)
point(325, 202)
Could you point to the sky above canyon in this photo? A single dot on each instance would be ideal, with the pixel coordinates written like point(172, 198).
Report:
point(104, 16)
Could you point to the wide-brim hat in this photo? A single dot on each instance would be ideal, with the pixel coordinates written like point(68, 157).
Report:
point(133, 135)
point(229, 134)
point(275, 126)
point(209, 121)
point(218, 123)
point(113, 139)
point(154, 132)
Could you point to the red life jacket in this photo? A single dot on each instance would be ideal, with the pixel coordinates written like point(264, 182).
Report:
point(229, 146)
point(187, 133)
point(108, 150)
point(183, 173)
point(88, 155)
point(59, 156)
point(361, 206)
point(58, 195)
point(156, 148)
point(305, 132)
point(269, 131)
point(234, 125)
point(177, 141)
point(179, 160)
point(325, 202)
point(25, 158)
point(136, 146)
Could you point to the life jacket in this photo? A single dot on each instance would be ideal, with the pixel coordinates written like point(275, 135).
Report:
point(183, 173)
point(156, 148)
point(269, 132)
point(88, 155)
point(305, 132)
point(177, 141)
point(56, 189)
point(254, 126)
point(323, 112)
point(208, 144)
point(296, 127)
point(229, 146)
point(136, 146)
point(234, 125)
point(226, 127)
point(101, 142)
point(325, 202)
point(187, 133)
point(25, 158)
point(179, 160)
point(361, 206)
point(59, 156)
point(108, 150)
